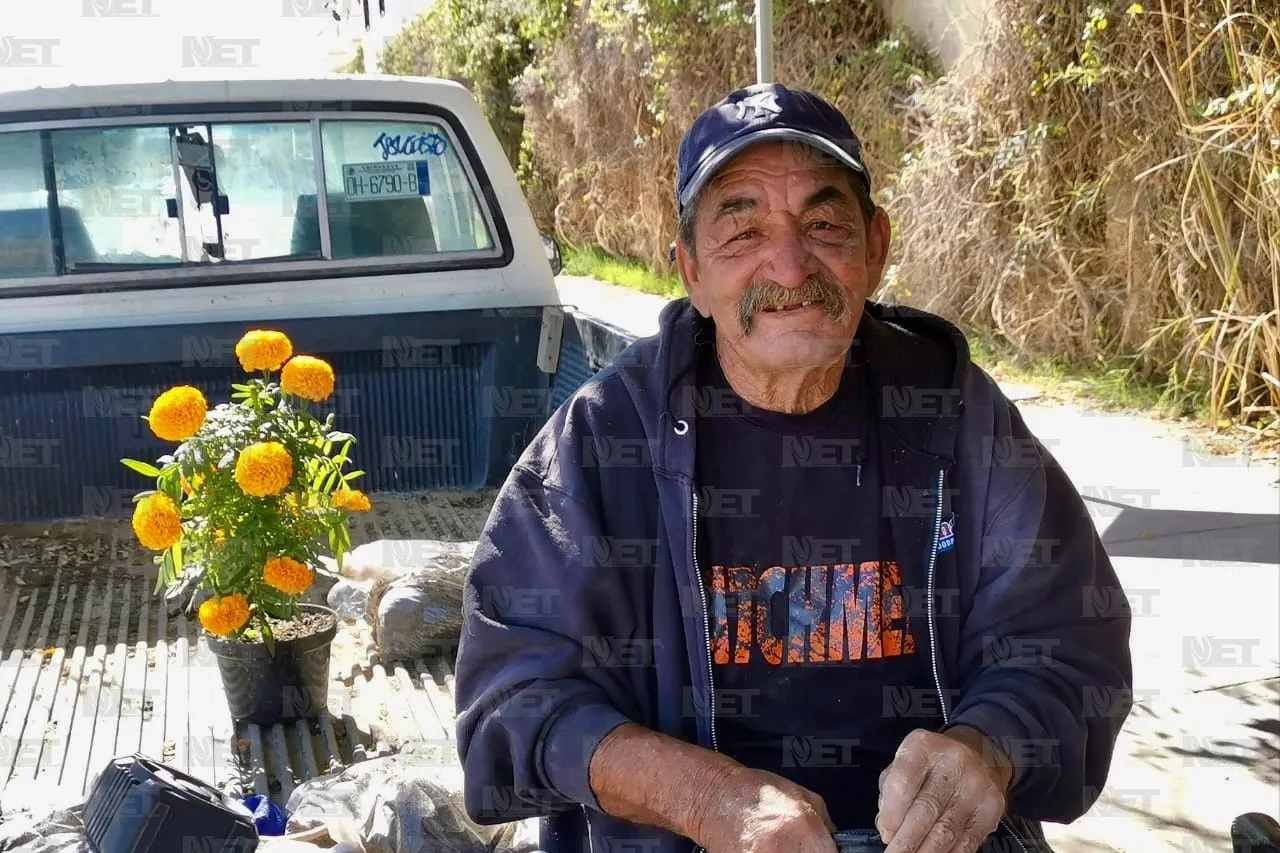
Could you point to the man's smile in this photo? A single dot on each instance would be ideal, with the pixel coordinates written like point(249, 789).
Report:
point(794, 307)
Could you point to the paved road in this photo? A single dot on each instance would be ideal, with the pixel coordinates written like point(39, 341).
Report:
point(1196, 541)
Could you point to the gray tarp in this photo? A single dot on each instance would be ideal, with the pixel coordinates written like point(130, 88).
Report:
point(403, 803)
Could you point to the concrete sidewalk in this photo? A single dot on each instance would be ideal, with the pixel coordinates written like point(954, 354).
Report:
point(1195, 539)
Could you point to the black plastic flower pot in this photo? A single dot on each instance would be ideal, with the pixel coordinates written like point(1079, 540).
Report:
point(290, 685)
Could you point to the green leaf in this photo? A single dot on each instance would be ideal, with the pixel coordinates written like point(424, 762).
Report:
point(141, 467)
point(341, 436)
point(277, 610)
point(347, 478)
point(140, 495)
point(269, 638)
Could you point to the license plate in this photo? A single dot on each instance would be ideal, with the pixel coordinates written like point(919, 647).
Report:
point(373, 181)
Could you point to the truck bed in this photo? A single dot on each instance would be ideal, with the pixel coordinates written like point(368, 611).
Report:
point(91, 667)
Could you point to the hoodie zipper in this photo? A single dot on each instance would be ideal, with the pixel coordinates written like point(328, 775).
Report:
point(706, 622)
point(933, 642)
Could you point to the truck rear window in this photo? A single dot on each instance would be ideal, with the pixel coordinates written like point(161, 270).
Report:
point(107, 199)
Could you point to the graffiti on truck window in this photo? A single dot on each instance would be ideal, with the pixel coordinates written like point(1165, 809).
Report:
point(410, 144)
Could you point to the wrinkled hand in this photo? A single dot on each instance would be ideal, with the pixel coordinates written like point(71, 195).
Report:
point(943, 793)
point(759, 812)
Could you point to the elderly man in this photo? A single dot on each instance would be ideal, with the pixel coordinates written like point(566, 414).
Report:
point(793, 565)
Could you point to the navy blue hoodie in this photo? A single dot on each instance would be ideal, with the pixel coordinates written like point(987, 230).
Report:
point(584, 607)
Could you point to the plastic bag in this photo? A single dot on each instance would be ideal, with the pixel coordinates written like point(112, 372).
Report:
point(42, 820)
point(399, 804)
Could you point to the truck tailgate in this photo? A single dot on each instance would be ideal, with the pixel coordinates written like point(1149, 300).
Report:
point(92, 668)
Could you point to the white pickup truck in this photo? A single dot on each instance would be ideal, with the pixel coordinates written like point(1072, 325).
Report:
point(143, 229)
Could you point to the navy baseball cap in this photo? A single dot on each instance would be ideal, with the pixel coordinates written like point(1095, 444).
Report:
point(762, 113)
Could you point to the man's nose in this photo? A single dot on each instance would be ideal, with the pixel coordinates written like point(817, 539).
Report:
point(791, 260)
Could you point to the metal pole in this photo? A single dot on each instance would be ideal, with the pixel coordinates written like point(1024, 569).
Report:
point(764, 41)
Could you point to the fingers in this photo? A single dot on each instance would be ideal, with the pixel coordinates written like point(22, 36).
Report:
point(984, 822)
point(900, 783)
point(937, 797)
point(965, 823)
point(928, 810)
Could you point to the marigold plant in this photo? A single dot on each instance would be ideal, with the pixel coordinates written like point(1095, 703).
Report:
point(254, 493)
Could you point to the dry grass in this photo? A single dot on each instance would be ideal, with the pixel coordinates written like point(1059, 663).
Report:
point(605, 111)
point(1116, 195)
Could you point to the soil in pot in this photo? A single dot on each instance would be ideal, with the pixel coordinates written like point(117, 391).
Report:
point(293, 683)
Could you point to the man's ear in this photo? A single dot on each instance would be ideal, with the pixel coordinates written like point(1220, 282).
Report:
point(688, 268)
point(878, 235)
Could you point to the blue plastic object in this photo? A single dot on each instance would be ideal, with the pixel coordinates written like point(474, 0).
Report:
point(267, 816)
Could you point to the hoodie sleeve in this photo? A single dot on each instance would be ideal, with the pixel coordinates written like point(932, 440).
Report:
point(530, 713)
point(1046, 670)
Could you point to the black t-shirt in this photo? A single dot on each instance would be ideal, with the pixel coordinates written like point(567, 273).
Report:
point(803, 592)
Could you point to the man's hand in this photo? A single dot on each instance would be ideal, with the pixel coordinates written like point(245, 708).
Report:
point(759, 812)
point(943, 793)
point(650, 778)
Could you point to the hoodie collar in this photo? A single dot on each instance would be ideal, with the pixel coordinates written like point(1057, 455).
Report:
point(915, 363)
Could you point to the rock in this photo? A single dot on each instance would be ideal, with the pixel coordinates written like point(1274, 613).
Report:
point(386, 559)
point(349, 598)
point(412, 615)
point(415, 594)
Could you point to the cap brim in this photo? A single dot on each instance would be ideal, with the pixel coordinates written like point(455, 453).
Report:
point(713, 163)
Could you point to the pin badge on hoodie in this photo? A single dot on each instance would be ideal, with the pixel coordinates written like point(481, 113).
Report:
point(947, 535)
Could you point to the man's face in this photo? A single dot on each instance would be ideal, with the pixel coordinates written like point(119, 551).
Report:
point(779, 227)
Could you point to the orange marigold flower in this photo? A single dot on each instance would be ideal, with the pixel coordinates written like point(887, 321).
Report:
point(178, 413)
point(261, 349)
point(221, 616)
point(288, 575)
point(352, 499)
point(264, 469)
point(307, 377)
point(156, 522)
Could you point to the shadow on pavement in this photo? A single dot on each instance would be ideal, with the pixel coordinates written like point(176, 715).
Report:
point(1192, 536)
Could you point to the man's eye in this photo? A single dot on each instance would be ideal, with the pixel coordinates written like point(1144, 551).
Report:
point(744, 235)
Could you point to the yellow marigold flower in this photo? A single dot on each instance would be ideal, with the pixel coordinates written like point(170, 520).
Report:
point(219, 538)
point(264, 469)
point(352, 499)
point(263, 350)
point(307, 377)
point(156, 522)
point(221, 616)
point(178, 413)
point(287, 575)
